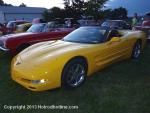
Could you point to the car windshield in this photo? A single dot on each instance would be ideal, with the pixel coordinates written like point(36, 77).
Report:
point(110, 23)
point(19, 27)
point(10, 25)
point(36, 28)
point(91, 35)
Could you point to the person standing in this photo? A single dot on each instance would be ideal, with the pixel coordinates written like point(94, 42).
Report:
point(68, 23)
point(135, 20)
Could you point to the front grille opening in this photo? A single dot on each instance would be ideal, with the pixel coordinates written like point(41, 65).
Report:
point(25, 80)
point(32, 87)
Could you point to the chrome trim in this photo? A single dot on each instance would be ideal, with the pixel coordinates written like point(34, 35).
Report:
point(146, 27)
point(39, 40)
point(1, 48)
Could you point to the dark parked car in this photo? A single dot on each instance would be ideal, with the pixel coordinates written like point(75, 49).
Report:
point(116, 24)
point(145, 25)
point(146, 22)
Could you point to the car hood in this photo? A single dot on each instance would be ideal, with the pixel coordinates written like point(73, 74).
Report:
point(49, 50)
point(18, 35)
point(146, 24)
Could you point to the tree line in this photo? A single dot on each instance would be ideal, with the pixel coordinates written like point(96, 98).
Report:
point(2, 3)
point(82, 8)
point(78, 9)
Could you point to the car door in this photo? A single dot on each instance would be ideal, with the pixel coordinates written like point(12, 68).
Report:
point(110, 52)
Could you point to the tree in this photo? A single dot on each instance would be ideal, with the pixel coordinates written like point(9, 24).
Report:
point(4, 4)
point(1, 2)
point(73, 2)
point(120, 13)
point(74, 8)
point(105, 14)
point(53, 13)
point(80, 8)
point(93, 7)
point(84, 7)
point(22, 5)
point(46, 15)
point(56, 12)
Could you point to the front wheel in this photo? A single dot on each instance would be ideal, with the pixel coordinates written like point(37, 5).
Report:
point(74, 73)
point(136, 50)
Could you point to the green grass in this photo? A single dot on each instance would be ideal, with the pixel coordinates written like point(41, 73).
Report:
point(121, 88)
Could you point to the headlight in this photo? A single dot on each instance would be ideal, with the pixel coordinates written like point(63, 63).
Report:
point(38, 81)
point(3, 44)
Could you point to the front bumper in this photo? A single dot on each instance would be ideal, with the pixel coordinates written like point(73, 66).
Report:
point(3, 51)
point(146, 27)
point(19, 76)
point(33, 87)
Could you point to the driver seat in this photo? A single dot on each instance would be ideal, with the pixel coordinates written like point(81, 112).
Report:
point(112, 33)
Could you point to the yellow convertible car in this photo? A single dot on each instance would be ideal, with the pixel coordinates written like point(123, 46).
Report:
point(69, 61)
point(22, 28)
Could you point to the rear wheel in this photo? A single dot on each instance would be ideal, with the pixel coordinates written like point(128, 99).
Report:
point(74, 73)
point(136, 50)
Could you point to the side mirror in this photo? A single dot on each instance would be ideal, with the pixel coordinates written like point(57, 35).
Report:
point(115, 39)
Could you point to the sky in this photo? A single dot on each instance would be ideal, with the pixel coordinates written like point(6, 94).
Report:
point(138, 6)
point(133, 6)
point(37, 3)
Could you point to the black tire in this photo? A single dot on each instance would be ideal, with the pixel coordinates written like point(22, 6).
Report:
point(22, 47)
point(74, 73)
point(136, 52)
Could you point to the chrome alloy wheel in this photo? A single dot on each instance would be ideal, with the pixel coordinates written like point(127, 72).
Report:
point(76, 75)
point(137, 50)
